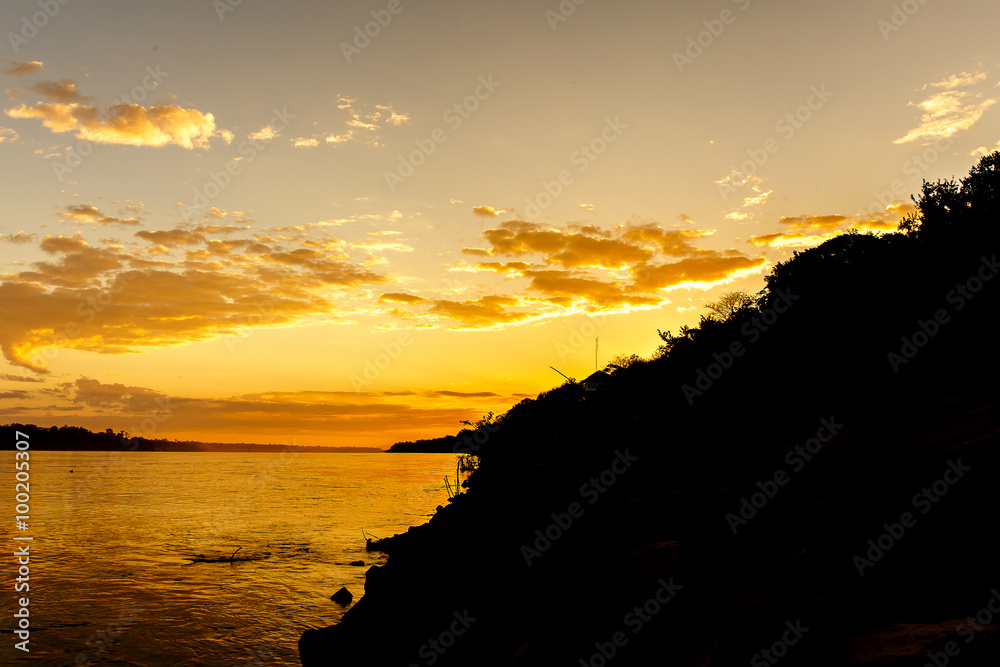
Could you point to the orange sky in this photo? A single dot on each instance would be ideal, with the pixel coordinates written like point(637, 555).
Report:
point(250, 223)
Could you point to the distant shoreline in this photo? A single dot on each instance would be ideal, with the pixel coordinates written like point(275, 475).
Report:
point(78, 439)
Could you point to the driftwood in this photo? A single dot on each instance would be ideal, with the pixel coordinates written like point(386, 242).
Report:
point(202, 558)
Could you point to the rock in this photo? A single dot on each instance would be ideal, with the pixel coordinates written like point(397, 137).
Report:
point(342, 597)
point(357, 563)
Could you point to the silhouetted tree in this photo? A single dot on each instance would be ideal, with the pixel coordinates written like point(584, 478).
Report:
point(730, 305)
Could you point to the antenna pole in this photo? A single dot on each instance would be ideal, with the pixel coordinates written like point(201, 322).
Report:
point(596, 347)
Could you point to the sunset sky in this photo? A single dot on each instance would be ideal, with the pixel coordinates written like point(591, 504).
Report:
point(250, 221)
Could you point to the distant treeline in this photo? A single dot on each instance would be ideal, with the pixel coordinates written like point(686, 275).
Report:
point(78, 439)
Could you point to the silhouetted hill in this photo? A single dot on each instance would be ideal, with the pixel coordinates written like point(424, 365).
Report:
point(443, 445)
point(807, 477)
point(75, 438)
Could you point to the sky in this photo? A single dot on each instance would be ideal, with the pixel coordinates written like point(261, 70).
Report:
point(332, 223)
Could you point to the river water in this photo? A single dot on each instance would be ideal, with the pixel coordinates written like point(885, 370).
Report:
point(111, 578)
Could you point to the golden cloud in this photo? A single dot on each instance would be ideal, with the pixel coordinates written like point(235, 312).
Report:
point(128, 124)
point(486, 312)
point(20, 69)
point(114, 299)
point(709, 270)
point(397, 297)
point(813, 223)
point(793, 240)
point(88, 213)
point(950, 111)
point(565, 284)
point(20, 238)
point(363, 123)
point(485, 211)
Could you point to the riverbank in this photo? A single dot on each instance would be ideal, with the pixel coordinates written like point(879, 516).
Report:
point(806, 476)
point(862, 527)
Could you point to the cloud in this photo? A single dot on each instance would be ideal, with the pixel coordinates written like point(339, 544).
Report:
point(949, 111)
point(21, 69)
point(172, 237)
point(757, 200)
point(20, 378)
point(265, 133)
point(675, 242)
point(88, 214)
point(702, 272)
point(397, 297)
point(8, 135)
point(16, 395)
point(569, 249)
point(64, 91)
point(813, 223)
point(584, 268)
point(566, 284)
point(790, 240)
point(126, 124)
point(960, 80)
point(486, 312)
point(978, 152)
point(362, 123)
point(20, 238)
point(806, 231)
point(117, 298)
point(485, 211)
point(127, 399)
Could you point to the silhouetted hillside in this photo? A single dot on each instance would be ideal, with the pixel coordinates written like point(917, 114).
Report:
point(428, 445)
point(806, 476)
